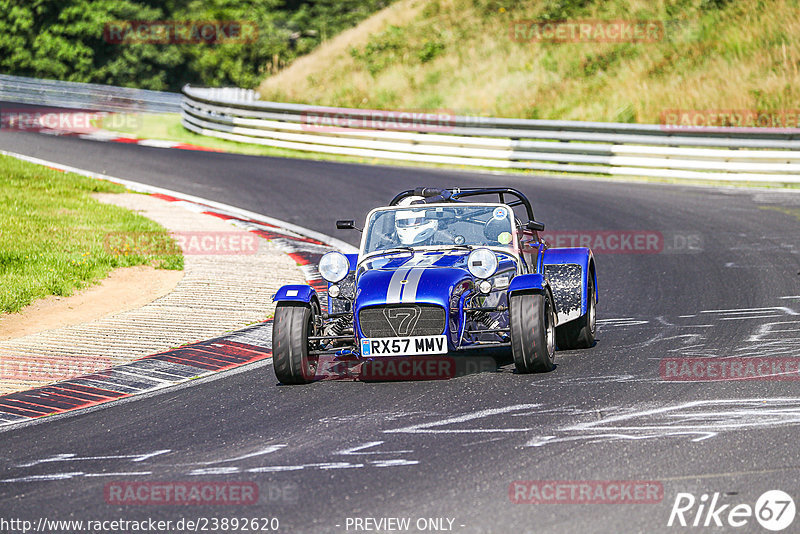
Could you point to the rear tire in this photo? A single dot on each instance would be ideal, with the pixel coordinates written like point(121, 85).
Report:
point(580, 333)
point(292, 326)
point(532, 332)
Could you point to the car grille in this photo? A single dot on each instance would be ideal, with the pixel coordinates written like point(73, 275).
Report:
point(402, 320)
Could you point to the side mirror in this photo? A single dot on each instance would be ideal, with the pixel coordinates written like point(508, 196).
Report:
point(346, 225)
point(536, 226)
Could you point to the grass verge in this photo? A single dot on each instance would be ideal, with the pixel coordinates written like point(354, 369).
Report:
point(54, 235)
point(468, 56)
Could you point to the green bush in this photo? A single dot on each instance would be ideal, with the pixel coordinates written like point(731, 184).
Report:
point(63, 39)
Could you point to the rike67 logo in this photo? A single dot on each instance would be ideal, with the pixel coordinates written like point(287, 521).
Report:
point(774, 510)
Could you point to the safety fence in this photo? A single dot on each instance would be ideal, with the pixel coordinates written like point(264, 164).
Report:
point(650, 150)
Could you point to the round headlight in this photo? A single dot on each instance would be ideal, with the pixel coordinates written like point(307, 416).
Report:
point(334, 291)
point(485, 286)
point(482, 263)
point(334, 266)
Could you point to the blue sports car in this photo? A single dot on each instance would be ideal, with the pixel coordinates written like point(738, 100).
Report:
point(441, 272)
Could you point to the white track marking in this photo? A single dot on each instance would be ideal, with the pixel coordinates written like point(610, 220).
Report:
point(323, 465)
point(701, 419)
point(767, 329)
point(357, 449)
point(39, 478)
point(268, 450)
point(393, 463)
point(621, 323)
point(275, 468)
point(748, 317)
point(735, 311)
point(74, 458)
point(129, 474)
point(426, 428)
point(214, 471)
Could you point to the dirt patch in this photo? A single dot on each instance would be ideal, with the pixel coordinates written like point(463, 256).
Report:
point(125, 289)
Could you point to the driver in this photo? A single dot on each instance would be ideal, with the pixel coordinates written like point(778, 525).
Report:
point(414, 228)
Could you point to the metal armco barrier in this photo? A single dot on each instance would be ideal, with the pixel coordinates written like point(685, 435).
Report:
point(87, 96)
point(649, 150)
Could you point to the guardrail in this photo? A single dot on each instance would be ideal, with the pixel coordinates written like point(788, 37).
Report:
point(88, 96)
point(649, 150)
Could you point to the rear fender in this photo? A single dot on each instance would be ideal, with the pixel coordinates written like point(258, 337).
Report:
point(567, 271)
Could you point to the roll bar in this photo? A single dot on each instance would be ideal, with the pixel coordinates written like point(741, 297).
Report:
point(433, 196)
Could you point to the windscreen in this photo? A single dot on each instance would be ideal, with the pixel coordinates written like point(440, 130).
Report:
point(435, 225)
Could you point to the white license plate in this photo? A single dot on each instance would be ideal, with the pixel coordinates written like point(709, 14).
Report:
point(404, 346)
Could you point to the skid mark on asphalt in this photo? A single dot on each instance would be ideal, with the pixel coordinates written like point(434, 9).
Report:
point(361, 449)
point(694, 420)
point(697, 420)
point(775, 331)
point(97, 466)
point(435, 426)
point(372, 454)
point(75, 458)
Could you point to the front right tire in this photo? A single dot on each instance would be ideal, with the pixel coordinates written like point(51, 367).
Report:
point(292, 326)
point(532, 332)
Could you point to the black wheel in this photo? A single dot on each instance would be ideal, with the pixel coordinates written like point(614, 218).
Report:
point(579, 334)
point(292, 326)
point(532, 332)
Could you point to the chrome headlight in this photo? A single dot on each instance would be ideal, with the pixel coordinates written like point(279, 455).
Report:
point(334, 267)
point(482, 263)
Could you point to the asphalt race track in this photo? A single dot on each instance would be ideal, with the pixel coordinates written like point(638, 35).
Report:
point(724, 283)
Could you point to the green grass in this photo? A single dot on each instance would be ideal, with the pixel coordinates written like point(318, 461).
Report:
point(54, 238)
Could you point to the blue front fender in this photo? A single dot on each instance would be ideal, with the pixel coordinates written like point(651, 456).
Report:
point(295, 293)
point(527, 283)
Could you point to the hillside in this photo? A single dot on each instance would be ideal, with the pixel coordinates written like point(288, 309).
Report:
point(460, 55)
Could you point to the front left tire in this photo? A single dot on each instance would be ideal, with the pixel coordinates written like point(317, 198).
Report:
point(533, 332)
